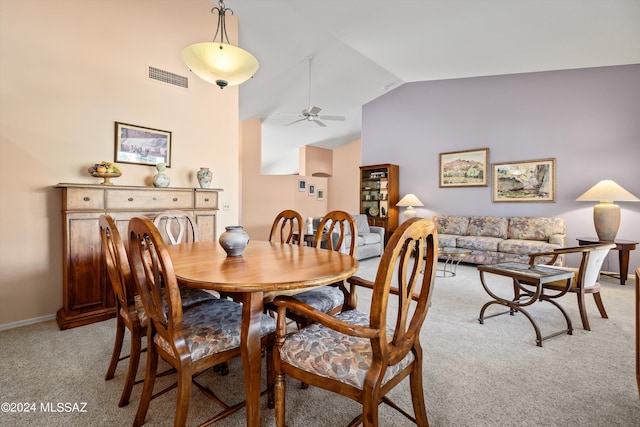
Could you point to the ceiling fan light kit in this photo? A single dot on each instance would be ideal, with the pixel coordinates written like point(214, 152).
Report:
point(220, 62)
point(311, 114)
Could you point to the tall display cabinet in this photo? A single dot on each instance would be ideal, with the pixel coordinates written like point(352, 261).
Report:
point(379, 193)
point(87, 294)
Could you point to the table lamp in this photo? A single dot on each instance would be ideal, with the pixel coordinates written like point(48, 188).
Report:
point(606, 214)
point(410, 200)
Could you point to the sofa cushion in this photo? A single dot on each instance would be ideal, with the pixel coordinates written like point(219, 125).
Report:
point(525, 247)
point(478, 243)
point(368, 238)
point(490, 226)
point(447, 240)
point(362, 223)
point(450, 224)
point(535, 228)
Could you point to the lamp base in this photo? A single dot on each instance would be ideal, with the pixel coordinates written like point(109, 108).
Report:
point(409, 212)
point(606, 218)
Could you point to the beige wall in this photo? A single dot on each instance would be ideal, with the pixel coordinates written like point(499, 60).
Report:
point(344, 185)
point(69, 70)
point(264, 196)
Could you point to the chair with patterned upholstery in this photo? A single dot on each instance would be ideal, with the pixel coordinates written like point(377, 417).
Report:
point(363, 356)
point(191, 340)
point(335, 227)
point(289, 226)
point(130, 313)
point(586, 276)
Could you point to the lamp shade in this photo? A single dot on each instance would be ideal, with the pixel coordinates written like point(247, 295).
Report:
point(409, 200)
point(220, 63)
point(606, 215)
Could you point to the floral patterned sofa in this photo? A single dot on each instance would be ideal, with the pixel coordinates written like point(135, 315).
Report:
point(494, 239)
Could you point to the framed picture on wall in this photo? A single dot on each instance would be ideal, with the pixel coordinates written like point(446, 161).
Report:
point(469, 168)
point(302, 185)
point(312, 190)
point(524, 181)
point(320, 195)
point(142, 146)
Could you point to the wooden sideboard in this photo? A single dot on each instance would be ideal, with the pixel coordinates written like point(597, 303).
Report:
point(87, 295)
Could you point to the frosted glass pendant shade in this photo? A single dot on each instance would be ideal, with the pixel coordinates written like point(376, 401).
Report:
point(220, 63)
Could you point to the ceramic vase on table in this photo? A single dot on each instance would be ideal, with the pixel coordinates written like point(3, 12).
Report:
point(234, 240)
point(204, 177)
point(161, 179)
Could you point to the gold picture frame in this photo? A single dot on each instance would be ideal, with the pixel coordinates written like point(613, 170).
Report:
point(468, 168)
point(524, 181)
point(141, 145)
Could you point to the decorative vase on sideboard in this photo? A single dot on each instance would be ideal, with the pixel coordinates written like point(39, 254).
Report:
point(161, 179)
point(234, 240)
point(204, 177)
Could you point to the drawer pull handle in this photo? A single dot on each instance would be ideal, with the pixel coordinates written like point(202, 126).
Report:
point(130, 199)
point(175, 199)
point(206, 200)
point(87, 199)
point(155, 198)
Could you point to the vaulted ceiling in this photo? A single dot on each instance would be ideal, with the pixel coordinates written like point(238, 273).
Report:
point(364, 48)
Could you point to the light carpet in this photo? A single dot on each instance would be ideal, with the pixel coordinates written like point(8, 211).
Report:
point(474, 375)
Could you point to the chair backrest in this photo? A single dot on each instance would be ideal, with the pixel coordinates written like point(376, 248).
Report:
point(592, 259)
point(286, 224)
point(339, 227)
point(407, 269)
point(116, 261)
point(178, 226)
point(155, 279)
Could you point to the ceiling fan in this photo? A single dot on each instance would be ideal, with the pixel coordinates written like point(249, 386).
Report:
point(311, 114)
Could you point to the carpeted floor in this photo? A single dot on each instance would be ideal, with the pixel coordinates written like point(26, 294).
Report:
point(474, 375)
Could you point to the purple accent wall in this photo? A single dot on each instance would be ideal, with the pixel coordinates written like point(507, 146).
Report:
point(587, 119)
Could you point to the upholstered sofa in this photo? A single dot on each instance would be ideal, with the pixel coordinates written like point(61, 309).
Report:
point(493, 239)
point(370, 239)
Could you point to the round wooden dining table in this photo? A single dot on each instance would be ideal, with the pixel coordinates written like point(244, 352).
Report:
point(265, 269)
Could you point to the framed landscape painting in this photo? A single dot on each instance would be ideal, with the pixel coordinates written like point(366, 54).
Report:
point(464, 168)
point(524, 181)
point(142, 146)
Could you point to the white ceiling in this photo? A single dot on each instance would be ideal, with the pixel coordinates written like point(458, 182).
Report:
point(362, 48)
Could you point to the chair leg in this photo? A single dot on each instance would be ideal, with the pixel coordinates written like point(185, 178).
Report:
point(134, 361)
point(271, 376)
point(600, 305)
point(583, 311)
point(149, 381)
point(417, 396)
point(184, 396)
point(370, 410)
point(280, 394)
point(117, 348)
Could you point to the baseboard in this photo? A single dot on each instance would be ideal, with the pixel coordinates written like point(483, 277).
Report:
point(26, 322)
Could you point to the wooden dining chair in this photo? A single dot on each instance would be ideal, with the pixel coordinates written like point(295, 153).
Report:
point(334, 228)
point(190, 340)
point(176, 226)
point(363, 356)
point(130, 313)
point(289, 226)
point(586, 276)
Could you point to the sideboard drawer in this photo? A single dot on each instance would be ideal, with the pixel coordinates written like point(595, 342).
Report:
point(149, 199)
point(84, 199)
point(206, 199)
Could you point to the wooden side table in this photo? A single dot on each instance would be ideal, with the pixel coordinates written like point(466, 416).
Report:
point(622, 246)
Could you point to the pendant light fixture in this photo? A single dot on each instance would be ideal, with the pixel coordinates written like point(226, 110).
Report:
point(219, 61)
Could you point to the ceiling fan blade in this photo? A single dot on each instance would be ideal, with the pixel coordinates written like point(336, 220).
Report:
point(314, 110)
point(295, 121)
point(319, 123)
point(337, 118)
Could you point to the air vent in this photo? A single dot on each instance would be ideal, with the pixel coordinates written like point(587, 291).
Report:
point(167, 77)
